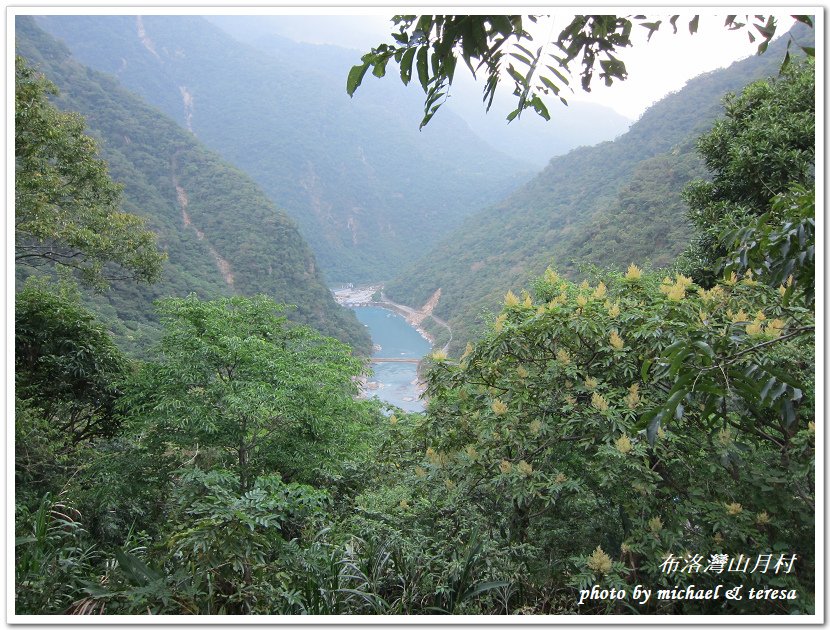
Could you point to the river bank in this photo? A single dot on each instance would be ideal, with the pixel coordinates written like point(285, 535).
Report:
point(351, 297)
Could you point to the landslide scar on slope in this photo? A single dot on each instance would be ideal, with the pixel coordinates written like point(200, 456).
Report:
point(223, 265)
point(144, 38)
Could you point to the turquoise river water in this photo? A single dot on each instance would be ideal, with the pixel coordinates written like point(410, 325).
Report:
point(396, 382)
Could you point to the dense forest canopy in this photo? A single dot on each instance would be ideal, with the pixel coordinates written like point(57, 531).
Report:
point(66, 206)
point(630, 428)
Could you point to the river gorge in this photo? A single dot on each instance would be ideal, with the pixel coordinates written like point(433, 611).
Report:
point(398, 346)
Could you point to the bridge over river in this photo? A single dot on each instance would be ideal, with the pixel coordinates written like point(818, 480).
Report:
point(391, 360)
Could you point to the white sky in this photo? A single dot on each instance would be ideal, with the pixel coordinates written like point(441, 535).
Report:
point(655, 68)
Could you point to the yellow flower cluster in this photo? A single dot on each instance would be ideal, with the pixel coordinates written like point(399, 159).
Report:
point(783, 288)
point(740, 316)
point(527, 301)
point(437, 459)
point(563, 356)
point(762, 519)
point(510, 299)
point(570, 400)
point(676, 290)
point(598, 402)
point(715, 294)
point(599, 292)
point(613, 309)
point(632, 399)
point(551, 277)
point(560, 478)
point(616, 341)
point(590, 382)
point(420, 472)
point(393, 419)
point(522, 372)
point(774, 328)
point(535, 426)
point(757, 326)
point(449, 483)
point(439, 355)
point(499, 324)
point(499, 408)
point(623, 444)
point(505, 466)
point(683, 280)
point(472, 453)
point(581, 301)
point(633, 272)
point(524, 468)
point(733, 509)
point(655, 525)
point(599, 561)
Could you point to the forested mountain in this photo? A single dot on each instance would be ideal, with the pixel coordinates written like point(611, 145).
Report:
point(368, 190)
point(611, 204)
point(222, 234)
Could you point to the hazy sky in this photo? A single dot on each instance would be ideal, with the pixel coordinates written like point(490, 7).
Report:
point(655, 68)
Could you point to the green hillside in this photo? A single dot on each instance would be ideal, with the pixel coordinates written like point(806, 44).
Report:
point(610, 204)
point(223, 236)
point(369, 191)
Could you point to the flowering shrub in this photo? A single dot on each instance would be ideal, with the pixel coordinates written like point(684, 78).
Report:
point(637, 418)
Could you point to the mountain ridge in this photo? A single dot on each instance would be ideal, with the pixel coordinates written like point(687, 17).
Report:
point(368, 190)
point(161, 165)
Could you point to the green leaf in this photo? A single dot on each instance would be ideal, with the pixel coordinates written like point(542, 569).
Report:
point(406, 64)
point(355, 77)
point(539, 107)
point(423, 68)
point(549, 84)
point(559, 75)
point(673, 22)
point(521, 58)
point(644, 370)
point(138, 572)
point(693, 25)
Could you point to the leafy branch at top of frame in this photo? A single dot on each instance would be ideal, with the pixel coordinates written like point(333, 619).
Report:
point(429, 47)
